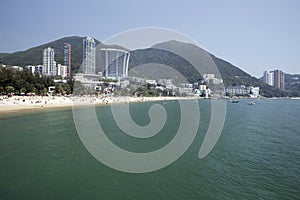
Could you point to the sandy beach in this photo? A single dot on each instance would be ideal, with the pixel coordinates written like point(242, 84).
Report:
point(36, 103)
point(18, 103)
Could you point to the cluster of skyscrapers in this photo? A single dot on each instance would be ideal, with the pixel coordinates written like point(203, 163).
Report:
point(113, 62)
point(274, 78)
point(50, 67)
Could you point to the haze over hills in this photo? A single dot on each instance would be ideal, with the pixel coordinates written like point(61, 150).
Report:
point(166, 53)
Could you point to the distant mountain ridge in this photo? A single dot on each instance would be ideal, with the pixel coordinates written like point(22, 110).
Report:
point(231, 74)
point(34, 56)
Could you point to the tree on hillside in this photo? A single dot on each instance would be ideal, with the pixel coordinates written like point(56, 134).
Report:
point(9, 89)
point(60, 90)
point(44, 91)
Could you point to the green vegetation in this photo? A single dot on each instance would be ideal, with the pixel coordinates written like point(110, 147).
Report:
point(292, 84)
point(34, 56)
point(109, 80)
point(80, 89)
point(18, 82)
point(230, 74)
point(149, 90)
point(158, 56)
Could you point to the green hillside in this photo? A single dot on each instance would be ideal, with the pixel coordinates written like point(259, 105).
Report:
point(231, 74)
point(33, 56)
point(158, 54)
point(292, 84)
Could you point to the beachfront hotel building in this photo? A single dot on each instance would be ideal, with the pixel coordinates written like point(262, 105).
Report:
point(89, 56)
point(114, 62)
point(67, 58)
point(241, 90)
point(49, 62)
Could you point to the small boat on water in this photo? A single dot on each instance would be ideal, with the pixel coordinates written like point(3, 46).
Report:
point(235, 101)
point(252, 103)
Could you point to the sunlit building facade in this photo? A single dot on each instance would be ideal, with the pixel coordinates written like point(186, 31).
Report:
point(67, 58)
point(268, 78)
point(89, 56)
point(49, 62)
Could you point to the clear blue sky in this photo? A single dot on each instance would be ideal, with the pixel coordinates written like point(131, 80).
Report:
point(255, 35)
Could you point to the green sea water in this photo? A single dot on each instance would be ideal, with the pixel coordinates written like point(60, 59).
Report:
point(256, 157)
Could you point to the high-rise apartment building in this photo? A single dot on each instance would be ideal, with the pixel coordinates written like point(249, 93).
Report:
point(274, 78)
point(279, 79)
point(48, 62)
point(67, 58)
point(89, 56)
point(268, 78)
